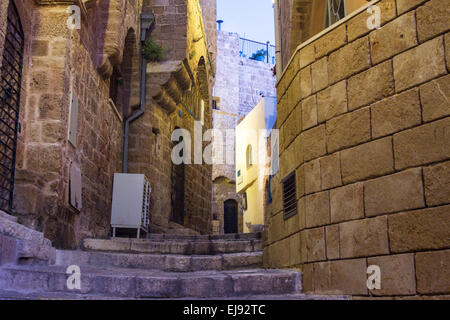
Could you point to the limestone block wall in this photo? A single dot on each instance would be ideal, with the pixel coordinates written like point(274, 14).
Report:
point(364, 119)
point(59, 61)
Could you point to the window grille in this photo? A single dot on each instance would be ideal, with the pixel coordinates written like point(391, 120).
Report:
point(289, 195)
point(335, 11)
point(10, 87)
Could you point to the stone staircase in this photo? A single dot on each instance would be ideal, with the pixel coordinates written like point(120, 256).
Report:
point(159, 267)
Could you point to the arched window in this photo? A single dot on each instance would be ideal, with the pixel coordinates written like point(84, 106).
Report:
point(10, 85)
point(249, 158)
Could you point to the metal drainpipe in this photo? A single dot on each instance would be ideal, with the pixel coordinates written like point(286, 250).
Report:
point(147, 21)
point(279, 62)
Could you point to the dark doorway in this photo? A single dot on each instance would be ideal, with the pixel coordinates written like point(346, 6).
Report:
point(177, 196)
point(10, 86)
point(230, 216)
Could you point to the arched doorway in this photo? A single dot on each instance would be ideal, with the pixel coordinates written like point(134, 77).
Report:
point(10, 89)
point(177, 194)
point(230, 216)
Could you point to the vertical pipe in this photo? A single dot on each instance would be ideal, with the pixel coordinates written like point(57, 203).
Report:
point(278, 39)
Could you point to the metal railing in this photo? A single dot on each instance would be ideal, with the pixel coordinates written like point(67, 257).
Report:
point(257, 50)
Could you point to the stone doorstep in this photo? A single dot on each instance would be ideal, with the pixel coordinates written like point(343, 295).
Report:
point(25, 242)
point(152, 284)
point(177, 263)
point(172, 247)
point(7, 216)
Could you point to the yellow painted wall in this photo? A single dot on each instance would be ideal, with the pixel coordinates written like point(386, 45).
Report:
point(247, 132)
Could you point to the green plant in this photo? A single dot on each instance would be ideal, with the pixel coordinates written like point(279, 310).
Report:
point(258, 54)
point(152, 51)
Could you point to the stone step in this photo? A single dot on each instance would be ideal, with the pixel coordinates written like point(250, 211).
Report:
point(138, 283)
point(178, 263)
point(15, 295)
point(166, 246)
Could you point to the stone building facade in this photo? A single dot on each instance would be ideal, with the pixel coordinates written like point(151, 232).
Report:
point(364, 119)
point(96, 67)
point(240, 82)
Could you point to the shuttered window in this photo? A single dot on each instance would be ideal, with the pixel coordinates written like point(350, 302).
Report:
point(289, 195)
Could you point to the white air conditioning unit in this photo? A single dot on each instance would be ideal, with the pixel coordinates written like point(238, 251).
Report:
point(131, 202)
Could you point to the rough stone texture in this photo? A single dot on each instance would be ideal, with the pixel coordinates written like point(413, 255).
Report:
point(425, 144)
point(393, 38)
point(348, 130)
point(432, 19)
point(362, 238)
point(331, 41)
point(367, 161)
point(405, 5)
point(317, 209)
point(349, 60)
point(347, 203)
point(398, 192)
point(437, 184)
point(447, 50)
point(376, 83)
point(319, 73)
point(420, 230)
point(305, 82)
point(309, 112)
point(435, 98)
point(314, 142)
point(312, 176)
point(332, 242)
point(330, 170)
point(396, 113)
point(432, 272)
point(332, 101)
point(419, 64)
point(397, 275)
point(314, 240)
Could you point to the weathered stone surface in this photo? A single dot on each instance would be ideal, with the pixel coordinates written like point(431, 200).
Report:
point(315, 244)
point(330, 170)
point(447, 49)
point(367, 161)
point(262, 283)
point(425, 144)
point(397, 275)
point(371, 85)
point(360, 238)
point(432, 19)
point(393, 38)
point(437, 184)
point(341, 276)
point(347, 203)
point(332, 241)
point(405, 5)
point(348, 130)
point(419, 64)
point(317, 209)
point(309, 112)
point(332, 101)
point(420, 229)
point(396, 113)
point(294, 250)
point(314, 143)
point(432, 272)
point(306, 56)
point(312, 176)
point(349, 60)
point(300, 176)
point(398, 192)
point(435, 98)
point(319, 74)
point(305, 82)
point(357, 26)
point(331, 41)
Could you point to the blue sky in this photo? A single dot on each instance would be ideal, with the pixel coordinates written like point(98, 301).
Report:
point(252, 19)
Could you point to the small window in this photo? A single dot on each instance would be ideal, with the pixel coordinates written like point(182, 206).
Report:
point(215, 104)
point(290, 196)
point(335, 11)
point(249, 156)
